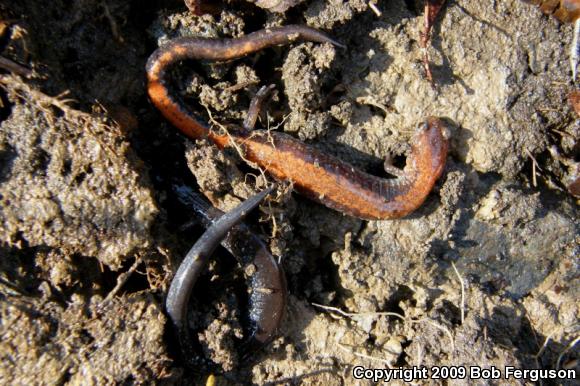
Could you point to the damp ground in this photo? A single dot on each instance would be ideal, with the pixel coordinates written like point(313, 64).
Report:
point(485, 273)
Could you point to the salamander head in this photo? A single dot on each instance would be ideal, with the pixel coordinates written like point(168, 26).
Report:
point(429, 147)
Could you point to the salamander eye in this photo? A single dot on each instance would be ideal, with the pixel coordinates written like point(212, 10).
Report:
point(436, 127)
point(441, 127)
point(423, 126)
point(445, 132)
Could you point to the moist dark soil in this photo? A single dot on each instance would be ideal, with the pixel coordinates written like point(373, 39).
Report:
point(485, 273)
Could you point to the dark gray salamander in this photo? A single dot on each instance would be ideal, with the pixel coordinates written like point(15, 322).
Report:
point(268, 293)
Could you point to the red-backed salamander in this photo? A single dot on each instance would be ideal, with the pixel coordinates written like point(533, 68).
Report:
point(267, 283)
point(567, 11)
point(316, 175)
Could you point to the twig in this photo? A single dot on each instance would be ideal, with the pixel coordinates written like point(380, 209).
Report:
point(541, 350)
point(419, 355)
point(432, 9)
point(419, 361)
point(442, 328)
point(361, 355)
point(374, 8)
point(534, 167)
point(369, 100)
point(112, 23)
point(122, 279)
point(568, 348)
point(14, 67)
point(462, 292)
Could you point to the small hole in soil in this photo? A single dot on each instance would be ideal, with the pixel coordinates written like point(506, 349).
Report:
point(403, 293)
point(399, 161)
point(86, 336)
point(137, 281)
point(80, 178)
point(411, 6)
point(451, 312)
point(5, 106)
point(66, 167)
point(41, 160)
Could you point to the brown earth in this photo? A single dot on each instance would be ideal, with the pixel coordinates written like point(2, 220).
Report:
point(485, 273)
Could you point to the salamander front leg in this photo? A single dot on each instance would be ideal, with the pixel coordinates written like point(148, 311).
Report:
point(391, 169)
point(256, 106)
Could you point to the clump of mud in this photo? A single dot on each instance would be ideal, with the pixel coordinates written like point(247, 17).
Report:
point(485, 273)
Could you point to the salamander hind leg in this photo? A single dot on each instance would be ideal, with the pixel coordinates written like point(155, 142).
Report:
point(392, 169)
point(256, 106)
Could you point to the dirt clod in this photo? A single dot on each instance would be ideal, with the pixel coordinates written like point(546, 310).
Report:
point(484, 273)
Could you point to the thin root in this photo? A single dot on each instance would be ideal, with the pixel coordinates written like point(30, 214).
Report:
point(403, 318)
point(14, 67)
point(535, 167)
point(462, 292)
point(565, 351)
point(122, 279)
point(374, 8)
point(365, 356)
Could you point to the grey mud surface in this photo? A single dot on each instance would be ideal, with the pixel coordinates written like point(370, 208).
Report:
point(484, 273)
